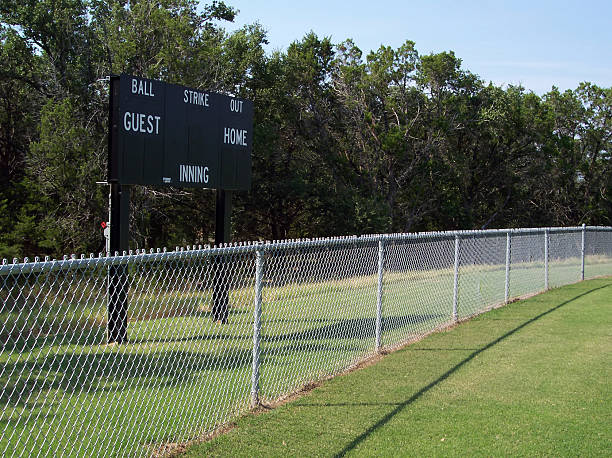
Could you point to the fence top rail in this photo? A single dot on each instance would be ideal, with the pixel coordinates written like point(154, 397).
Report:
point(192, 252)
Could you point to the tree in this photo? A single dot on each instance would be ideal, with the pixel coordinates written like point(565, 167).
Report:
point(343, 144)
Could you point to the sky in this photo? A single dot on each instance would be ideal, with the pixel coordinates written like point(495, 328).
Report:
point(534, 43)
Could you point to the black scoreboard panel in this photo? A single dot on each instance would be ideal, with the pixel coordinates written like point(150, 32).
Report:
point(166, 134)
point(236, 145)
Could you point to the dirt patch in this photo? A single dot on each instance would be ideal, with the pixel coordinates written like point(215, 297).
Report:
point(174, 449)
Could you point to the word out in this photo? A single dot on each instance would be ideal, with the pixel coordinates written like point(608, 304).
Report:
point(236, 105)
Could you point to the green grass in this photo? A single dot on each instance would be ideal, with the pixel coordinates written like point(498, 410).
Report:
point(181, 375)
point(529, 379)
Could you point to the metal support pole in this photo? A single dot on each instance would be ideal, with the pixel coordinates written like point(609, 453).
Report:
point(222, 235)
point(456, 278)
point(379, 300)
point(259, 262)
point(582, 252)
point(546, 241)
point(119, 231)
point(118, 279)
point(507, 287)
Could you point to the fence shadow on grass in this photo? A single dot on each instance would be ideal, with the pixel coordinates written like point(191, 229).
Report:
point(364, 328)
point(110, 371)
point(401, 406)
point(100, 369)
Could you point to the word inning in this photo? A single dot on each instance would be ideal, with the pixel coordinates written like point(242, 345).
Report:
point(193, 174)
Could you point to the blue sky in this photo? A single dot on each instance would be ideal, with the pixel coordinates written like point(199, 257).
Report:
point(536, 43)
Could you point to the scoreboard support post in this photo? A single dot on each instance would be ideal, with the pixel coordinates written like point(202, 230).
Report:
point(118, 276)
point(223, 213)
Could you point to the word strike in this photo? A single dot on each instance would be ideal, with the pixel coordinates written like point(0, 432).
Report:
point(196, 98)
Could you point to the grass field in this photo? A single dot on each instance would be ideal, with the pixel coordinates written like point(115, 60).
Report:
point(529, 379)
point(182, 375)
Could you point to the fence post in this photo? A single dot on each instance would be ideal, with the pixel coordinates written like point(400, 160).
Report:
point(546, 241)
point(456, 278)
point(259, 261)
point(507, 286)
point(379, 295)
point(582, 252)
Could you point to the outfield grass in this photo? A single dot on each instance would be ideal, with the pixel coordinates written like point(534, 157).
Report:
point(529, 379)
point(181, 374)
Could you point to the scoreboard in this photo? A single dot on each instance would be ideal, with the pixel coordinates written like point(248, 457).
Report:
point(171, 135)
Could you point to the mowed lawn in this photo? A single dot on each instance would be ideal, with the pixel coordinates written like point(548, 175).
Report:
point(533, 378)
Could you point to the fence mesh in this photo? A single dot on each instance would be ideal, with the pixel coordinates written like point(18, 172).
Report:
point(526, 263)
point(481, 278)
point(418, 288)
point(598, 252)
point(564, 258)
point(318, 313)
point(126, 355)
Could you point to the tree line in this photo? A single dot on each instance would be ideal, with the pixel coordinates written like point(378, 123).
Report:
point(393, 141)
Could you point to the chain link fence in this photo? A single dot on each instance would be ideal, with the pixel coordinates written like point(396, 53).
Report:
point(129, 354)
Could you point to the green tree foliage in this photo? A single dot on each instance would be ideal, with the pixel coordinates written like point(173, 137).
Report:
point(343, 144)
